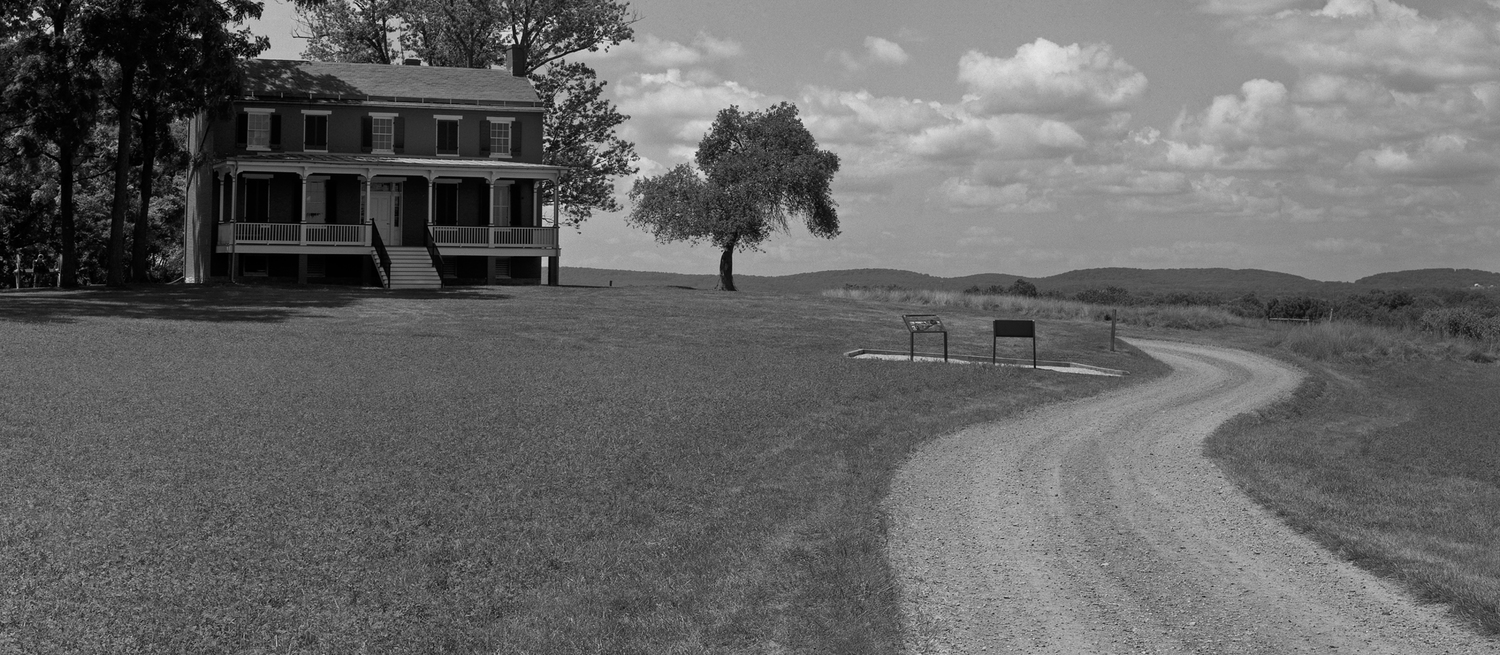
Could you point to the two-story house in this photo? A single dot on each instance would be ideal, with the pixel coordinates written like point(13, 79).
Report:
point(410, 176)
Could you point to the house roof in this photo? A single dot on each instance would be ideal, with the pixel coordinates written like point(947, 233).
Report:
point(285, 78)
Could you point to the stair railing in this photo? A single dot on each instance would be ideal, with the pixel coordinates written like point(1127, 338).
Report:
point(432, 252)
point(381, 254)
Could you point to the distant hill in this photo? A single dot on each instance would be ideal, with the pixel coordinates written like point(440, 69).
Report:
point(1429, 278)
point(798, 283)
point(1136, 280)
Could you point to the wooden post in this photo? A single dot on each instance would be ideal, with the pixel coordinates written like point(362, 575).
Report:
point(1112, 314)
point(17, 272)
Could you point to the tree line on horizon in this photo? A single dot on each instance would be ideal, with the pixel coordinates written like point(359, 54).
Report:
point(94, 97)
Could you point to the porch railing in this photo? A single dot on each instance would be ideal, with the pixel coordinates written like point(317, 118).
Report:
point(311, 234)
point(493, 237)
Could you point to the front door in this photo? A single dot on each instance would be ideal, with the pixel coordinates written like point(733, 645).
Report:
point(385, 212)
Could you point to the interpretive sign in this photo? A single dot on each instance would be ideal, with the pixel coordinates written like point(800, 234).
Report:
point(925, 323)
point(1017, 329)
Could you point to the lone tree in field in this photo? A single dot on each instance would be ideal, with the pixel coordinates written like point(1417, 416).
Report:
point(758, 170)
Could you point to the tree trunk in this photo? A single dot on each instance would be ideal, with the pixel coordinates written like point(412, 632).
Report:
point(141, 241)
point(66, 228)
point(122, 172)
point(726, 266)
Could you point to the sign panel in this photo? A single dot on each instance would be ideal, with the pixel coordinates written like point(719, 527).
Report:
point(1014, 328)
point(923, 323)
point(1024, 329)
point(926, 324)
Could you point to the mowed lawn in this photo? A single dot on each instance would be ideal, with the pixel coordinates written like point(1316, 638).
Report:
point(501, 470)
point(1394, 464)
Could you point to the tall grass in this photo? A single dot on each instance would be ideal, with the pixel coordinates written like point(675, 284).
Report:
point(1334, 340)
point(1168, 316)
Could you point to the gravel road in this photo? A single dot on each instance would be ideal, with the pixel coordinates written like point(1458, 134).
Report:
point(1097, 526)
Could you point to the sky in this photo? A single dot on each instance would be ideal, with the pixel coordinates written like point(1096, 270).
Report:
point(1332, 139)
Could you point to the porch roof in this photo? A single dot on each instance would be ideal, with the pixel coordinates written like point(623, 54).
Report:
point(303, 163)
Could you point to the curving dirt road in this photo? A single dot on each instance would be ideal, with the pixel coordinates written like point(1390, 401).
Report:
point(1098, 526)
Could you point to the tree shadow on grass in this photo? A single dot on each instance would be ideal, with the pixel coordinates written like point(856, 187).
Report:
point(219, 303)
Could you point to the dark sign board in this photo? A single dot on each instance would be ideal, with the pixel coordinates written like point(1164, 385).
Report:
point(1025, 329)
point(925, 323)
point(1014, 328)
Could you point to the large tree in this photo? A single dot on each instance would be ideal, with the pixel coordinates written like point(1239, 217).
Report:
point(52, 92)
point(171, 58)
point(758, 169)
point(579, 130)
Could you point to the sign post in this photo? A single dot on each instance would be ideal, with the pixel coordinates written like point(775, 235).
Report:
point(924, 323)
point(1018, 329)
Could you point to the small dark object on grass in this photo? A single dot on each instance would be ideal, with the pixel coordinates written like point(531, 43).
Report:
point(1480, 357)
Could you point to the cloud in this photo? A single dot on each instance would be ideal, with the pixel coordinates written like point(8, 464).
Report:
point(660, 53)
point(885, 52)
point(1246, 7)
point(1012, 136)
point(877, 52)
point(1380, 38)
point(967, 195)
point(676, 109)
point(1046, 78)
point(1438, 158)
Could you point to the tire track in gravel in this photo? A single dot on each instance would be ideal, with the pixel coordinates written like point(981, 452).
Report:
point(1097, 526)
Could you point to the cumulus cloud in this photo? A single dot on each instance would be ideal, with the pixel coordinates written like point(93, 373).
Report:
point(877, 52)
point(1046, 78)
point(1438, 158)
point(1380, 38)
point(676, 109)
point(885, 52)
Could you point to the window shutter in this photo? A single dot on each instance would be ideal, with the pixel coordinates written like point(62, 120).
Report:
point(484, 137)
point(515, 139)
point(275, 131)
point(366, 130)
point(398, 138)
point(241, 129)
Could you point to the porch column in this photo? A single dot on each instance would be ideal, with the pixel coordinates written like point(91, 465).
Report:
point(431, 193)
point(491, 211)
point(364, 200)
point(302, 216)
point(553, 265)
point(234, 206)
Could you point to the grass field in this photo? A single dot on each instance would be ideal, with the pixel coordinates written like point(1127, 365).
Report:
point(1395, 465)
point(517, 470)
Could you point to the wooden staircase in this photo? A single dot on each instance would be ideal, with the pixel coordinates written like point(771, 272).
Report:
point(411, 268)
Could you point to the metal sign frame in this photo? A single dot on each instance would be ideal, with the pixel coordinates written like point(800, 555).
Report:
point(1017, 329)
point(926, 324)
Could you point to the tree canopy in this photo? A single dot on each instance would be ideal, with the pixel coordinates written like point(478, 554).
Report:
point(758, 170)
point(579, 125)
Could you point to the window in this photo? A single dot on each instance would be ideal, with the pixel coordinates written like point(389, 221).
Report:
point(258, 132)
point(499, 138)
point(447, 136)
point(445, 209)
point(315, 133)
point(383, 134)
point(500, 211)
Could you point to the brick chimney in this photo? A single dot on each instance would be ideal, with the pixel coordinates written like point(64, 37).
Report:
point(515, 58)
